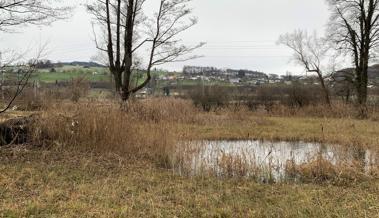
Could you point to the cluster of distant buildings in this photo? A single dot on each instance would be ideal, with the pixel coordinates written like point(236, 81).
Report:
point(235, 76)
point(226, 75)
point(258, 78)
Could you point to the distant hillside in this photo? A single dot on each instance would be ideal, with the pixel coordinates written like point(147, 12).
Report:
point(81, 64)
point(373, 72)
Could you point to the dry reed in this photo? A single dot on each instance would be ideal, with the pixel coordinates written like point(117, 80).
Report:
point(138, 129)
point(149, 129)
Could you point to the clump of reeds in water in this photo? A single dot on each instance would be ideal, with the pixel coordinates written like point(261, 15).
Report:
point(201, 159)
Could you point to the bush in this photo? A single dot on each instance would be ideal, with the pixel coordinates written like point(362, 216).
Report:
point(210, 97)
point(268, 96)
point(79, 87)
point(300, 95)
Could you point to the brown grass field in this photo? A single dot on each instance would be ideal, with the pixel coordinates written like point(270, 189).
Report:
point(98, 159)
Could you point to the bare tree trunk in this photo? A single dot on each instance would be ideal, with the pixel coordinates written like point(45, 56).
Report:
point(325, 90)
point(117, 80)
point(347, 96)
point(128, 59)
point(362, 83)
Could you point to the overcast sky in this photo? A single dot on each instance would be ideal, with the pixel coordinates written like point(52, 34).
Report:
point(240, 34)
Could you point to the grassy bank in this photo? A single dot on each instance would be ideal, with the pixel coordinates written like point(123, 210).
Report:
point(68, 184)
point(344, 131)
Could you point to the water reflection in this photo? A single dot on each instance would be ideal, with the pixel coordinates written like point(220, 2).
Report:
point(262, 159)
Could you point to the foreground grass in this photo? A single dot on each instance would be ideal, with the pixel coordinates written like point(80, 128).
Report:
point(41, 183)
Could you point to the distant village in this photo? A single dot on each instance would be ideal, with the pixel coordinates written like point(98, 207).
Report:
point(250, 77)
point(239, 76)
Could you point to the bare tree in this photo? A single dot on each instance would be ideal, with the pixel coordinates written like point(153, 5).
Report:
point(354, 29)
point(26, 72)
point(126, 30)
point(311, 52)
point(14, 13)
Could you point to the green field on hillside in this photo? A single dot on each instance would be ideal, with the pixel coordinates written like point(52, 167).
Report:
point(67, 73)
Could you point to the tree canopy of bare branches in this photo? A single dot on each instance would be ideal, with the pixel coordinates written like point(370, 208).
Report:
point(126, 30)
point(354, 28)
point(14, 13)
point(311, 52)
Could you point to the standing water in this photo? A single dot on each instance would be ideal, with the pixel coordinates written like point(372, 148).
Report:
point(261, 159)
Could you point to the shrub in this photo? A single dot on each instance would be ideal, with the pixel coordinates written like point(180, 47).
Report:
point(300, 95)
point(79, 87)
point(210, 97)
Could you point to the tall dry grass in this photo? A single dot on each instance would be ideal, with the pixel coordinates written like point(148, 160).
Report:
point(337, 110)
point(149, 129)
point(137, 129)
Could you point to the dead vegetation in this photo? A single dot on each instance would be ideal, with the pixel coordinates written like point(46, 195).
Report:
point(152, 129)
point(100, 157)
point(62, 183)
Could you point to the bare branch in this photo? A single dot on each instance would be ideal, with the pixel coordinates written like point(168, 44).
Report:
point(311, 52)
point(14, 13)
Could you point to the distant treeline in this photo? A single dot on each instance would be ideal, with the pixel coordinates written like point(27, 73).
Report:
point(48, 64)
